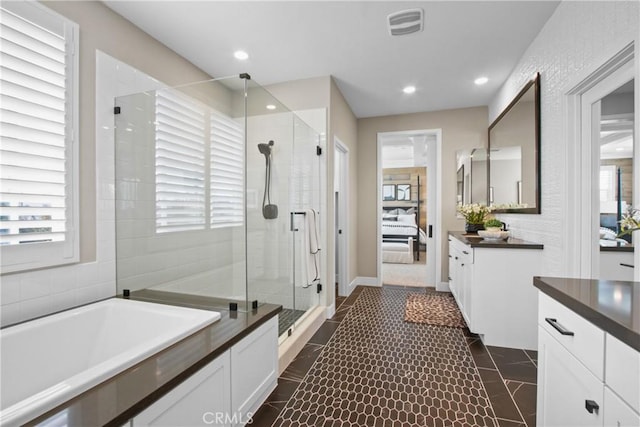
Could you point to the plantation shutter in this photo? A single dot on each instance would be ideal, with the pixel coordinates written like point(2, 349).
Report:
point(35, 130)
point(180, 163)
point(227, 172)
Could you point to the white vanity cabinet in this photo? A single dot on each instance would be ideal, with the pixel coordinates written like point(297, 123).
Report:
point(202, 399)
point(492, 287)
point(586, 377)
point(227, 391)
point(460, 279)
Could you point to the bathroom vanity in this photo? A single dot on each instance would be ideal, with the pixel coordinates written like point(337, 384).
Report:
point(589, 352)
point(491, 282)
point(219, 375)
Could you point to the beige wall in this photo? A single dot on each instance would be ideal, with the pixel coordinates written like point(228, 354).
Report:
point(103, 29)
point(344, 126)
point(461, 128)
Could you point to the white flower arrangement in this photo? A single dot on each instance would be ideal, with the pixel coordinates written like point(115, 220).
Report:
point(630, 221)
point(475, 213)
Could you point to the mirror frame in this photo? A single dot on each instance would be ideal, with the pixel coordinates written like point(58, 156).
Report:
point(535, 82)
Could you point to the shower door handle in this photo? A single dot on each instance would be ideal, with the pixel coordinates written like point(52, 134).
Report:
point(430, 231)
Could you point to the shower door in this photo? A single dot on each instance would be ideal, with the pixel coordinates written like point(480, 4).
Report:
point(282, 184)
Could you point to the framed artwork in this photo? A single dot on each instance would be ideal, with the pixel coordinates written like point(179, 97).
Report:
point(403, 192)
point(388, 192)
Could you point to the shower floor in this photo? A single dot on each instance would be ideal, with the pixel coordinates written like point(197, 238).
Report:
point(287, 318)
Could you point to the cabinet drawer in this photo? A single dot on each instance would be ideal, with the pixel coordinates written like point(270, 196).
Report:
point(465, 253)
point(582, 338)
point(622, 371)
point(568, 393)
point(617, 413)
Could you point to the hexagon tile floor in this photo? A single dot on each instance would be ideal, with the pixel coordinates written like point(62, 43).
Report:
point(367, 367)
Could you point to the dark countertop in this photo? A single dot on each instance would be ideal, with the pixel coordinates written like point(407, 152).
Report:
point(476, 241)
point(616, 248)
point(612, 305)
point(120, 398)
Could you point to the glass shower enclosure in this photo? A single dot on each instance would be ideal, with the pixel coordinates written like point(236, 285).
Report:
point(217, 186)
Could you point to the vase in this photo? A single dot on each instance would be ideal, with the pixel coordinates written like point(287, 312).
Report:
point(473, 228)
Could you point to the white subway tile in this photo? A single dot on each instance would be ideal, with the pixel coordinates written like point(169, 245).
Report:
point(87, 274)
point(35, 307)
point(63, 278)
point(10, 314)
point(35, 284)
point(10, 289)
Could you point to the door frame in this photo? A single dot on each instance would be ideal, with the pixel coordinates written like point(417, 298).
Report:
point(579, 157)
point(434, 275)
point(341, 165)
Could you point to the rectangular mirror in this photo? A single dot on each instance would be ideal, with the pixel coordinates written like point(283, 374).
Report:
point(514, 154)
point(471, 179)
point(460, 186)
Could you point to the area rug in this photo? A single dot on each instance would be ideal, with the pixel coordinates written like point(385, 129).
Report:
point(433, 309)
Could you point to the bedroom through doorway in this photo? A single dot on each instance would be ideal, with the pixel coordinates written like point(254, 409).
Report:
point(406, 217)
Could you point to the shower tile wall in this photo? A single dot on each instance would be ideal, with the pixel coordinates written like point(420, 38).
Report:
point(37, 293)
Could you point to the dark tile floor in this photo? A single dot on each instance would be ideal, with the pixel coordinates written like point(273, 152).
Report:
point(508, 376)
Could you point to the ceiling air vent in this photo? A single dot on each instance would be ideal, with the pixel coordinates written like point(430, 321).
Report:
point(405, 22)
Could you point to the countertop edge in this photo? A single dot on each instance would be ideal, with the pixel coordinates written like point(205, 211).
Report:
point(510, 243)
point(608, 325)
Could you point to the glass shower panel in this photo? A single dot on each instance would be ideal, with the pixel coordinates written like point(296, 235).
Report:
point(282, 183)
point(305, 202)
point(180, 191)
point(269, 235)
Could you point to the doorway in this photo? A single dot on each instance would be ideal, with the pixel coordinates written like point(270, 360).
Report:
point(341, 209)
point(408, 231)
point(606, 179)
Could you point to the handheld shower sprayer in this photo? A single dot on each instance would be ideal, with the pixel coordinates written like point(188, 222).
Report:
point(269, 211)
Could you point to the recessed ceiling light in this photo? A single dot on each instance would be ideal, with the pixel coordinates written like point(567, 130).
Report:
point(620, 149)
point(241, 55)
point(271, 107)
point(481, 80)
point(409, 89)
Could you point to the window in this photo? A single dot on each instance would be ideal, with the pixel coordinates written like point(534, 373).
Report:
point(180, 165)
point(38, 163)
point(227, 172)
point(196, 180)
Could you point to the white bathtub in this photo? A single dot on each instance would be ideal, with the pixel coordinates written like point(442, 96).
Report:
point(47, 361)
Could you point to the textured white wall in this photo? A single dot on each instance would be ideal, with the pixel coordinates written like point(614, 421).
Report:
point(579, 37)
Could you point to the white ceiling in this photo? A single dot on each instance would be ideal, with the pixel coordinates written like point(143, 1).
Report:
point(349, 40)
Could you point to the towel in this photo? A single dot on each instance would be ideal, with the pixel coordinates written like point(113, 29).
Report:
point(311, 254)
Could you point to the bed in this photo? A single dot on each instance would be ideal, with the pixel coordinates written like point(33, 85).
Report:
point(398, 252)
point(399, 225)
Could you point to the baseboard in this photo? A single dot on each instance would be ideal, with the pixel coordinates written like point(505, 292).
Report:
point(292, 345)
point(443, 287)
point(331, 310)
point(365, 281)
